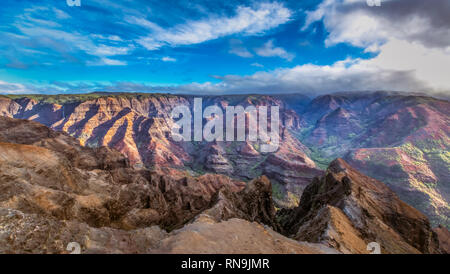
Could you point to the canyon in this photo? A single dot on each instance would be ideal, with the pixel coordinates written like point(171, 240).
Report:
point(53, 192)
point(399, 139)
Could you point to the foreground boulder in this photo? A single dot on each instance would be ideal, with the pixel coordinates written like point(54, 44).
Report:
point(253, 203)
point(347, 210)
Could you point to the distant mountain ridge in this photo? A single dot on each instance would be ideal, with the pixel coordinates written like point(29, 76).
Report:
point(402, 140)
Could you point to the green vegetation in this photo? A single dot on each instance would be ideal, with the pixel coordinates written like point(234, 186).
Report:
point(278, 191)
point(444, 156)
point(433, 145)
point(256, 146)
point(259, 163)
point(304, 132)
point(412, 151)
point(321, 161)
point(74, 98)
point(332, 140)
point(58, 99)
point(231, 148)
point(228, 150)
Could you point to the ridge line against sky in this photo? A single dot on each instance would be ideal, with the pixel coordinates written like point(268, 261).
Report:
point(223, 47)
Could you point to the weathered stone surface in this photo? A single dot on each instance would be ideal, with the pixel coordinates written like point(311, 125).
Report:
point(139, 126)
point(347, 210)
point(444, 238)
point(22, 233)
point(54, 191)
point(237, 236)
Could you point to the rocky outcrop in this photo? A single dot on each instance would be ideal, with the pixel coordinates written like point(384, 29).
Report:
point(444, 238)
point(253, 203)
point(47, 172)
point(139, 126)
point(339, 123)
point(398, 139)
point(54, 191)
point(237, 236)
point(22, 233)
point(348, 210)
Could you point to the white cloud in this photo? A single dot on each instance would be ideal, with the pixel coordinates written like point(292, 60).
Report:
point(74, 40)
point(50, 34)
point(411, 40)
point(104, 61)
point(61, 14)
point(432, 66)
point(237, 48)
point(112, 62)
point(241, 51)
point(247, 21)
point(269, 50)
point(410, 36)
point(410, 20)
point(114, 38)
point(103, 50)
point(410, 55)
point(168, 59)
point(347, 75)
point(12, 88)
point(257, 65)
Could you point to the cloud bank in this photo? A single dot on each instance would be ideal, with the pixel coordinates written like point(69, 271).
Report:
point(410, 37)
point(246, 21)
point(408, 41)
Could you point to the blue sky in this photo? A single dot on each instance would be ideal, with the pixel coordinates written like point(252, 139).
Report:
point(206, 46)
